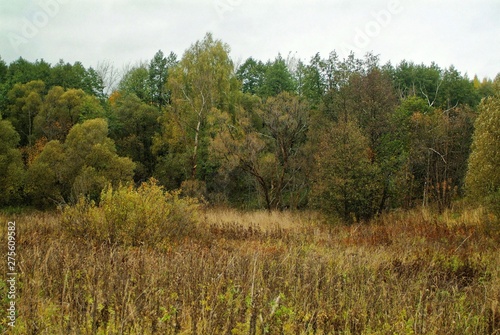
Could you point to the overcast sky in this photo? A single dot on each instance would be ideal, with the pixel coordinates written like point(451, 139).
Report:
point(462, 33)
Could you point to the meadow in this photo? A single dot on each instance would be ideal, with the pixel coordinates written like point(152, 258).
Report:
point(405, 272)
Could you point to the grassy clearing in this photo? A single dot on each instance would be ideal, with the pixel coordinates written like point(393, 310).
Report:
point(264, 273)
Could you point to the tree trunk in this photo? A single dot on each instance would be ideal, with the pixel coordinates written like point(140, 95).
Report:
point(194, 160)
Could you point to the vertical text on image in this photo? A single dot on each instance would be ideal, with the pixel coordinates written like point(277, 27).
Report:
point(11, 274)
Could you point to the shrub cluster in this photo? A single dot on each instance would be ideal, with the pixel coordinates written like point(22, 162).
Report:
point(133, 216)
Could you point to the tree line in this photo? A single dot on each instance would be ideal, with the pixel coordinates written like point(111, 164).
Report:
point(349, 136)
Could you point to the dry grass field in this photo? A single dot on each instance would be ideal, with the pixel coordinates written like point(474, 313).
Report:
point(262, 273)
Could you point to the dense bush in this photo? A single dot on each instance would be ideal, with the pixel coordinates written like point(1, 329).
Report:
point(133, 216)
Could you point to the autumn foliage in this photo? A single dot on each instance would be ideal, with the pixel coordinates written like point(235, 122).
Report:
point(124, 215)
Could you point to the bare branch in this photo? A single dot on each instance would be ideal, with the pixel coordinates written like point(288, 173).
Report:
point(440, 155)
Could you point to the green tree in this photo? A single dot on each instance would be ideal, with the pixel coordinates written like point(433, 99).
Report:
point(22, 71)
point(372, 102)
point(158, 75)
point(268, 146)
point(4, 87)
point(277, 79)
point(46, 182)
point(267, 79)
point(93, 84)
point(485, 88)
point(420, 80)
point(3, 71)
point(435, 145)
point(24, 103)
point(457, 90)
point(62, 109)
point(135, 123)
point(360, 92)
point(89, 152)
point(344, 179)
point(313, 87)
point(483, 179)
point(409, 180)
point(441, 88)
point(136, 81)
point(336, 79)
point(251, 74)
point(11, 165)
point(202, 83)
point(76, 76)
point(83, 165)
point(66, 75)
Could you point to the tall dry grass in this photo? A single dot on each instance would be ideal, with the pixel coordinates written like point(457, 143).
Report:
point(265, 273)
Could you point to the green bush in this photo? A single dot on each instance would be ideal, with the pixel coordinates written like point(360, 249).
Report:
point(133, 216)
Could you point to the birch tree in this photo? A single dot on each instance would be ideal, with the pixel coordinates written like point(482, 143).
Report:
point(200, 85)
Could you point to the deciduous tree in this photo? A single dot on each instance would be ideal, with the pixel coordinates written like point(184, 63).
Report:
point(11, 165)
point(277, 79)
point(62, 109)
point(345, 182)
point(24, 103)
point(436, 145)
point(267, 146)
point(135, 80)
point(202, 83)
point(135, 123)
point(251, 74)
point(483, 178)
point(83, 165)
